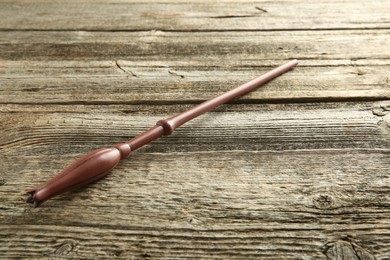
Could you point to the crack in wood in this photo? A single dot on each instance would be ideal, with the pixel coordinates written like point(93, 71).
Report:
point(261, 9)
point(240, 16)
point(231, 16)
point(176, 74)
point(301, 29)
point(128, 72)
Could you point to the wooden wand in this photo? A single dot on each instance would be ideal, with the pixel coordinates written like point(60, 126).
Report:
point(99, 163)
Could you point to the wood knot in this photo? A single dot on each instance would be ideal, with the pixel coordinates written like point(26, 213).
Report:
point(193, 221)
point(114, 251)
point(347, 250)
point(381, 108)
point(145, 255)
point(64, 247)
point(323, 201)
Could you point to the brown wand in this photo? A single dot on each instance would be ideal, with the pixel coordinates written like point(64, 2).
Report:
point(99, 163)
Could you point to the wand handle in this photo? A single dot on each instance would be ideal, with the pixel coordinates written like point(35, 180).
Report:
point(99, 163)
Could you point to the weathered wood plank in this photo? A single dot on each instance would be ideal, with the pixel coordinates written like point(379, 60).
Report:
point(234, 47)
point(332, 162)
point(65, 68)
point(218, 190)
point(198, 15)
point(106, 83)
point(234, 127)
point(245, 181)
point(291, 204)
point(49, 241)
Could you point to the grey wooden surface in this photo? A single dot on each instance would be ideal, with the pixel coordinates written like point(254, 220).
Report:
point(298, 169)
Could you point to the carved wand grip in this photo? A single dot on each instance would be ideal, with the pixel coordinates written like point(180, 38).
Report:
point(99, 163)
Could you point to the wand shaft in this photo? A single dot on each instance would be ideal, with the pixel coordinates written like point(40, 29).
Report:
point(210, 104)
point(99, 163)
point(167, 126)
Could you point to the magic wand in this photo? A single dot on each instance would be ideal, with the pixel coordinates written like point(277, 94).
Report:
point(99, 163)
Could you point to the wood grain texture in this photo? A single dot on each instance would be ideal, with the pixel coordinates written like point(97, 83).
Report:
point(167, 243)
point(199, 15)
point(297, 169)
point(224, 49)
point(288, 182)
point(160, 67)
point(231, 127)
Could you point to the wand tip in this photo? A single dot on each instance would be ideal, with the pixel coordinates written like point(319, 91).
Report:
point(294, 62)
point(31, 199)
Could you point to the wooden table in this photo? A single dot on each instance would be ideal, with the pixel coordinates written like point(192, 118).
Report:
point(296, 169)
